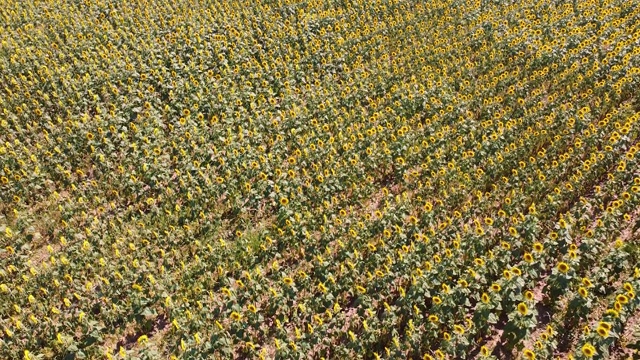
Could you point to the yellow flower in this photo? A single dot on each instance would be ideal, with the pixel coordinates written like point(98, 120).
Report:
point(322, 288)
point(484, 351)
point(588, 350)
point(617, 305)
point(352, 336)
point(623, 299)
point(235, 316)
point(506, 274)
point(605, 325)
point(602, 331)
point(458, 329)
point(287, 280)
point(485, 298)
point(538, 247)
point(528, 295)
point(583, 292)
point(563, 267)
point(522, 309)
point(284, 201)
point(612, 312)
point(528, 257)
point(528, 354)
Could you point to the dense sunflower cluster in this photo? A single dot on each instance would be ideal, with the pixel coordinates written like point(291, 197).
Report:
point(383, 179)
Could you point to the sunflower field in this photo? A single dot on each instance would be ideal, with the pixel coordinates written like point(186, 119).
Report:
point(319, 179)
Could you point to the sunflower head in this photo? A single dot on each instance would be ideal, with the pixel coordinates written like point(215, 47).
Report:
point(485, 298)
point(563, 267)
point(588, 350)
point(528, 354)
point(583, 292)
point(522, 309)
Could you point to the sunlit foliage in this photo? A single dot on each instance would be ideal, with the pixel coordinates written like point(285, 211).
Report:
point(319, 179)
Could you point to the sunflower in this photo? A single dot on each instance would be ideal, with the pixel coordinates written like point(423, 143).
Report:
point(603, 332)
point(528, 354)
point(235, 316)
point(484, 351)
point(522, 309)
point(485, 298)
point(528, 257)
point(528, 295)
point(622, 299)
point(588, 350)
point(613, 313)
point(583, 292)
point(563, 267)
point(284, 201)
point(605, 325)
point(506, 274)
point(322, 288)
point(458, 329)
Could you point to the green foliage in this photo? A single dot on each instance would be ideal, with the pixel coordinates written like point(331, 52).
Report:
point(325, 179)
